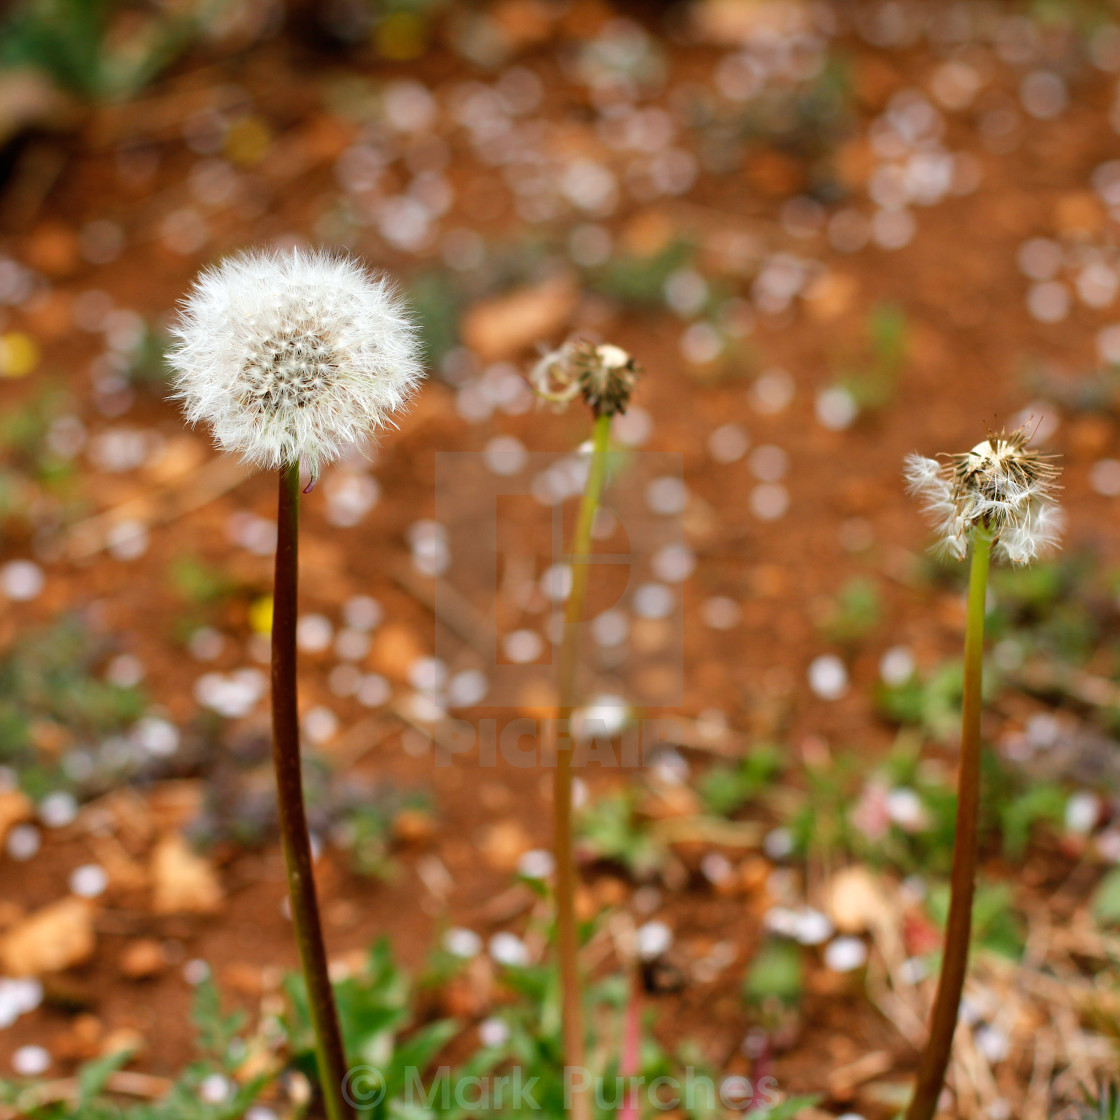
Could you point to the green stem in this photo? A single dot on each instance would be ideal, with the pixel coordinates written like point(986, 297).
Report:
point(289, 795)
point(567, 937)
point(958, 929)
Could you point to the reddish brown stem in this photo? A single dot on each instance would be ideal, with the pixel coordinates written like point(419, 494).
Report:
point(289, 796)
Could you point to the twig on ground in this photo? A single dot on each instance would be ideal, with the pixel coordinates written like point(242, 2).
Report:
point(157, 506)
point(127, 1083)
point(708, 738)
point(450, 608)
point(356, 742)
point(844, 1080)
point(1037, 1104)
point(708, 830)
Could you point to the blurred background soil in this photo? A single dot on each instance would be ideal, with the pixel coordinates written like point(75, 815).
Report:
point(831, 234)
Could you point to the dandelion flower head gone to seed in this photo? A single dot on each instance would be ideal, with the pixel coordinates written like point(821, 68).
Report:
point(604, 374)
point(293, 356)
point(1001, 487)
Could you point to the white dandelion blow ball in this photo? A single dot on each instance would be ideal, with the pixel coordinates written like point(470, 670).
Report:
point(293, 356)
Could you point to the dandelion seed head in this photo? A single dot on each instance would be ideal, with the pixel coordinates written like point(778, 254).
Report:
point(1000, 486)
point(604, 374)
point(293, 356)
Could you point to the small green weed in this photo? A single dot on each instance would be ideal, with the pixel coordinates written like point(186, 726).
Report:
point(78, 44)
point(902, 816)
point(610, 830)
point(636, 280)
point(996, 926)
point(855, 612)
point(221, 1048)
point(365, 830)
point(726, 789)
point(872, 378)
point(49, 684)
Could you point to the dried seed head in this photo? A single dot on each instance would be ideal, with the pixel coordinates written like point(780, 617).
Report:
point(293, 356)
point(1001, 487)
point(605, 375)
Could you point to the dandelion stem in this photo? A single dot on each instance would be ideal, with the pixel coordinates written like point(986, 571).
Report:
point(567, 936)
point(958, 930)
point(289, 794)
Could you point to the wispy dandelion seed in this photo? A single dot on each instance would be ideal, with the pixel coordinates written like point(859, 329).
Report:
point(604, 375)
point(293, 356)
point(1001, 487)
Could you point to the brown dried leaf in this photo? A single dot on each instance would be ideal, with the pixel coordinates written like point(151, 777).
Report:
point(504, 845)
point(183, 882)
point(857, 902)
point(142, 959)
point(503, 327)
point(54, 938)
